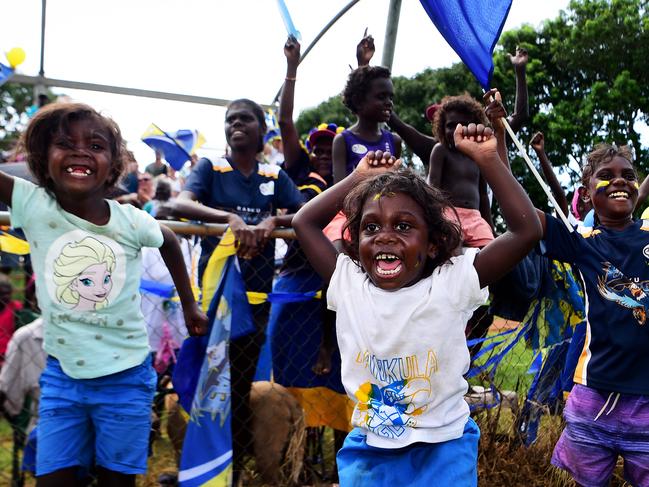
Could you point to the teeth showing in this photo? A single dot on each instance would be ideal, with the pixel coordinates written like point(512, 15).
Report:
point(396, 270)
point(619, 195)
point(386, 257)
point(71, 170)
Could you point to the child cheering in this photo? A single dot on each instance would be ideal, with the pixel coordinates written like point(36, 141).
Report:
point(98, 383)
point(402, 298)
point(607, 413)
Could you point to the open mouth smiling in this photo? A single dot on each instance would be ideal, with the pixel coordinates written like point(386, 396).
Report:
point(387, 265)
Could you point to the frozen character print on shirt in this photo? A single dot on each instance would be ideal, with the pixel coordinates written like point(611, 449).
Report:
point(87, 271)
point(626, 292)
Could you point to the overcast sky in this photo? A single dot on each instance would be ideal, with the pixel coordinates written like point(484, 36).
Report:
point(217, 49)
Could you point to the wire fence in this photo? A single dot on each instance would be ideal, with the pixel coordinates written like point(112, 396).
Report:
point(290, 412)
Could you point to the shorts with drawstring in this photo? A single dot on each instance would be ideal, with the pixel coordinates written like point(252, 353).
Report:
point(601, 425)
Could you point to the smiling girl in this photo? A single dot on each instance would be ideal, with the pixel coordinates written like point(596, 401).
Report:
point(402, 298)
point(98, 383)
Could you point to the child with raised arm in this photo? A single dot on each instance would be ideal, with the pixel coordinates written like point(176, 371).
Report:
point(368, 94)
point(607, 413)
point(402, 299)
point(98, 383)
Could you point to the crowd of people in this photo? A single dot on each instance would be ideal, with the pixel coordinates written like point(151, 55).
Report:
point(404, 266)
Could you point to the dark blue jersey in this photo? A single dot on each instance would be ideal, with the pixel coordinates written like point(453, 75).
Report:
point(254, 198)
point(614, 267)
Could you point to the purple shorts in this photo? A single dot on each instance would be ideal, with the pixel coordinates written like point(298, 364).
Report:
point(599, 427)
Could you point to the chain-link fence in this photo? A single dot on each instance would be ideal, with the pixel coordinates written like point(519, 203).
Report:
point(289, 410)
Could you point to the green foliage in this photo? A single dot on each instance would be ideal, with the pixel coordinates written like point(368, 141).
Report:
point(588, 82)
point(14, 99)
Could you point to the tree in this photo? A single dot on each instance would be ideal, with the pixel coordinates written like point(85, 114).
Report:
point(588, 83)
point(14, 100)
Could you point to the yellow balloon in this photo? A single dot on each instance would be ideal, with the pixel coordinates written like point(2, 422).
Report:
point(15, 56)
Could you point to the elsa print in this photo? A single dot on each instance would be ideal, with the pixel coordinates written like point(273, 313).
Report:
point(83, 274)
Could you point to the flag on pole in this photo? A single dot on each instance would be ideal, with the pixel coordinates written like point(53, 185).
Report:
point(176, 147)
point(472, 29)
point(202, 374)
point(5, 73)
point(288, 21)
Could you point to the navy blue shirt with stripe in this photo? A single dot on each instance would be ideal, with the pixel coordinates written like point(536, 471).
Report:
point(614, 267)
point(254, 198)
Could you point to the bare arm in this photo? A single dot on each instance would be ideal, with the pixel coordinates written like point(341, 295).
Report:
point(290, 137)
point(421, 144)
point(538, 144)
point(317, 213)
point(495, 112)
point(365, 49)
point(339, 158)
point(436, 166)
point(643, 191)
point(521, 106)
point(397, 145)
point(524, 228)
point(6, 188)
point(172, 256)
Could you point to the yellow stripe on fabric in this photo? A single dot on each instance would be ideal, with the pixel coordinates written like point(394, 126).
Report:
point(324, 407)
point(310, 186)
point(224, 479)
point(214, 268)
point(257, 298)
point(13, 245)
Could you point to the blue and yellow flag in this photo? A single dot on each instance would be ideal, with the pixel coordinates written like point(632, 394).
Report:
point(202, 374)
point(5, 73)
point(177, 147)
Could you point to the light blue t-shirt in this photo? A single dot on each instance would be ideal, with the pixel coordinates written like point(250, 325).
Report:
point(87, 281)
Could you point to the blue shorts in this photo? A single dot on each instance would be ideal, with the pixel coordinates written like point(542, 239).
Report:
point(450, 463)
point(106, 420)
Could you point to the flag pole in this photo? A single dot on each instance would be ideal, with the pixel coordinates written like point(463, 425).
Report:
point(538, 177)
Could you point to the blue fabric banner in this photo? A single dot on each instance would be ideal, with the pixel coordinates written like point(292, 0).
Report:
point(472, 29)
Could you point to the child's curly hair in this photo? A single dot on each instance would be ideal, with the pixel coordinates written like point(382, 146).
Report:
point(602, 154)
point(54, 120)
point(442, 232)
point(358, 84)
point(462, 104)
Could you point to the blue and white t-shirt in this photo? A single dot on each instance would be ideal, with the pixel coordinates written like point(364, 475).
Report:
point(87, 281)
point(614, 268)
point(254, 198)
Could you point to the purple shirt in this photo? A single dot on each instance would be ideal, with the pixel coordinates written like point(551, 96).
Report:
point(357, 147)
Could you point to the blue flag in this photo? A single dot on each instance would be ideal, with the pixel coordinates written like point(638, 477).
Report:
point(5, 73)
point(472, 28)
point(202, 377)
point(177, 147)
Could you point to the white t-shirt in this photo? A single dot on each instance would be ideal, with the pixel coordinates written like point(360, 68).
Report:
point(404, 352)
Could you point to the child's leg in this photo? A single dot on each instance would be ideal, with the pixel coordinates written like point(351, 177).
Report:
point(596, 423)
point(65, 476)
point(64, 435)
point(109, 478)
point(121, 415)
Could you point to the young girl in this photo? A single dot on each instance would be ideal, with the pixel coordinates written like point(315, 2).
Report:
point(368, 94)
point(98, 383)
point(402, 298)
point(607, 413)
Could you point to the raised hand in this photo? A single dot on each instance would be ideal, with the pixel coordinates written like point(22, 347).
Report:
point(494, 108)
point(292, 51)
point(538, 142)
point(476, 142)
point(376, 162)
point(519, 59)
point(365, 49)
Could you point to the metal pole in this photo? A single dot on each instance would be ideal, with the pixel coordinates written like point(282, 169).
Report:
point(391, 27)
point(40, 88)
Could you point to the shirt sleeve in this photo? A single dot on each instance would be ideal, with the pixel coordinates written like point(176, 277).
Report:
point(341, 279)
point(559, 243)
point(299, 171)
point(199, 180)
point(22, 194)
point(462, 283)
point(287, 194)
point(311, 187)
point(149, 231)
